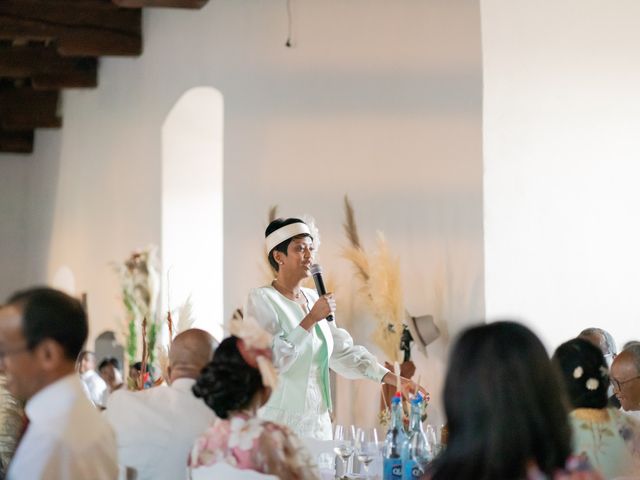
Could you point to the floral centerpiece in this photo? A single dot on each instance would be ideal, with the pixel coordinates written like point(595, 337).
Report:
point(140, 285)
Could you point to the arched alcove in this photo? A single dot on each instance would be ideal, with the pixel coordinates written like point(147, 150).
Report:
point(192, 149)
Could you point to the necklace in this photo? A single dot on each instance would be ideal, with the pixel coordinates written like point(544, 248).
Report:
point(278, 286)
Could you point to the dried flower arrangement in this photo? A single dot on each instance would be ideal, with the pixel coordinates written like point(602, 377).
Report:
point(379, 274)
point(140, 286)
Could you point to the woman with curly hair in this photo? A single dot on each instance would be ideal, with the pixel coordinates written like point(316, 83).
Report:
point(232, 386)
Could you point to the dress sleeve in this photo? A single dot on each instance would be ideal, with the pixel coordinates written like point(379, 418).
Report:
point(353, 361)
point(286, 345)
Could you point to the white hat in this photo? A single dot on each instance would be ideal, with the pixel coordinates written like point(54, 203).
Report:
point(423, 330)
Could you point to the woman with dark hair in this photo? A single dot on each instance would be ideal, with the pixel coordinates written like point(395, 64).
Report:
point(305, 345)
point(506, 410)
point(232, 386)
point(605, 435)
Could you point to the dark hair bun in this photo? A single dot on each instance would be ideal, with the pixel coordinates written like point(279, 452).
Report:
point(585, 373)
point(227, 383)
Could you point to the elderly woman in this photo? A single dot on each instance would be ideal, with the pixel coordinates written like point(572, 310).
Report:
point(609, 438)
point(306, 345)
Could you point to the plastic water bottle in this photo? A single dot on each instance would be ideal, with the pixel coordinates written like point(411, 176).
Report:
point(392, 453)
point(416, 450)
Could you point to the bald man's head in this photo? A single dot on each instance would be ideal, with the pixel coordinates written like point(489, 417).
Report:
point(190, 351)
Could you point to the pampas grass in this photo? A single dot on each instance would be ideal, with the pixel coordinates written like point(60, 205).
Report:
point(269, 272)
point(381, 284)
point(349, 224)
point(385, 295)
point(185, 316)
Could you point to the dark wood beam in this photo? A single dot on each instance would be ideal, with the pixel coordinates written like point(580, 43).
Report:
point(79, 27)
point(16, 142)
point(46, 69)
point(192, 4)
point(23, 108)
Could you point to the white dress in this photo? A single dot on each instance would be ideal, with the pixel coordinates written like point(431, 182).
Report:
point(302, 400)
point(315, 422)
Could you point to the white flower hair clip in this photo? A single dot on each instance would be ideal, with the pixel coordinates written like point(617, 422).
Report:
point(250, 331)
point(255, 347)
point(313, 228)
point(578, 372)
point(592, 384)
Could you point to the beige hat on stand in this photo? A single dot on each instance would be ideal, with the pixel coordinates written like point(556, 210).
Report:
point(423, 330)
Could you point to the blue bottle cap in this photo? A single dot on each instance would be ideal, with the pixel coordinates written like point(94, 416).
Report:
point(395, 400)
point(417, 399)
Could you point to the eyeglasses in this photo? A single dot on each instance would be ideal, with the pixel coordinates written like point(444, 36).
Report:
point(618, 385)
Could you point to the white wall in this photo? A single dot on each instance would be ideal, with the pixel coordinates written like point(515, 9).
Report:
point(379, 100)
point(14, 171)
point(192, 205)
point(561, 143)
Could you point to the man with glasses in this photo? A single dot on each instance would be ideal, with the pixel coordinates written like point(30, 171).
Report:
point(625, 378)
point(41, 334)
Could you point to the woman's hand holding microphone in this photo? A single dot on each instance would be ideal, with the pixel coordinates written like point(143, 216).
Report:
point(325, 306)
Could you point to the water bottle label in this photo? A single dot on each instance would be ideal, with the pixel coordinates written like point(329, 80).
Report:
point(392, 469)
point(411, 470)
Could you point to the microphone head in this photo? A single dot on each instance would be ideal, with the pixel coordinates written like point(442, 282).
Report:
point(315, 269)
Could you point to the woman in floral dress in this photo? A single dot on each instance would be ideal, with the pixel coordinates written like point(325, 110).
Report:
point(232, 385)
point(610, 439)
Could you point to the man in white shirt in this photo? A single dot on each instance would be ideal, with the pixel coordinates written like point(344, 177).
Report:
point(156, 428)
point(41, 334)
point(95, 385)
point(625, 378)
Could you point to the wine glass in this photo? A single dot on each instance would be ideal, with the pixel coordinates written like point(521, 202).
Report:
point(432, 440)
point(344, 438)
point(367, 447)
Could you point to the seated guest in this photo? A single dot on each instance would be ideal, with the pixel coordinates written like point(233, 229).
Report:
point(232, 386)
point(109, 370)
point(604, 341)
point(11, 425)
point(605, 435)
point(41, 334)
point(135, 371)
point(95, 386)
point(625, 378)
point(505, 408)
point(156, 427)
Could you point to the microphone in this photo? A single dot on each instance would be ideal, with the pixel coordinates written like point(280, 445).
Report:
point(316, 271)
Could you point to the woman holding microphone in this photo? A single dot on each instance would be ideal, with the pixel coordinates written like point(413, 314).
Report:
point(305, 345)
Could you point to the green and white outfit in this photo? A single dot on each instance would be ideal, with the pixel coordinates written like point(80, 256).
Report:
point(302, 400)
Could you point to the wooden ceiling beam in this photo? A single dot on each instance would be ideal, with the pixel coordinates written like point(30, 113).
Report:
point(46, 69)
point(79, 27)
point(191, 4)
point(16, 142)
point(22, 108)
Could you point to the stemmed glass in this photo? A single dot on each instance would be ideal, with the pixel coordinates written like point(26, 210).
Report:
point(344, 438)
point(367, 447)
